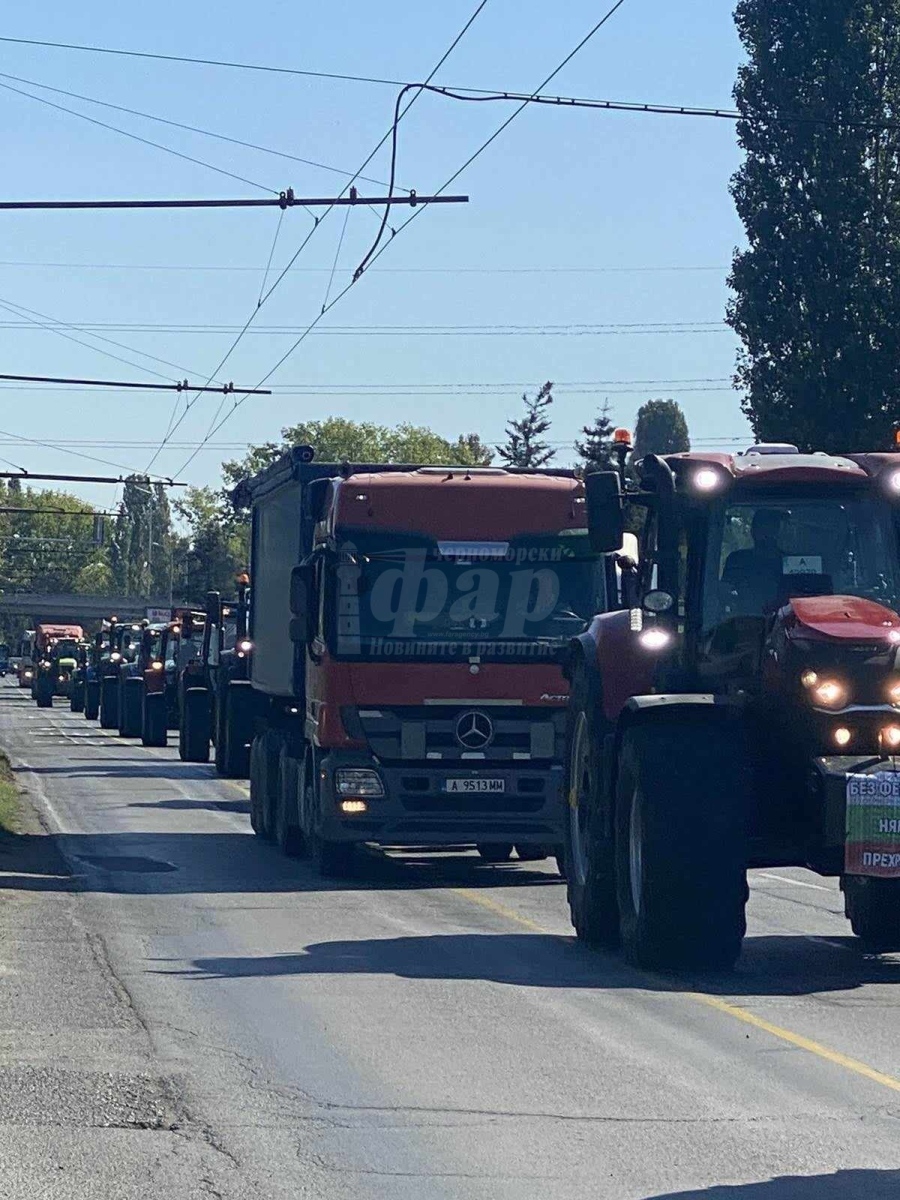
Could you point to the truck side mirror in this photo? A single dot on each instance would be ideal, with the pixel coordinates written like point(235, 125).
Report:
point(317, 492)
point(605, 516)
point(301, 590)
point(212, 607)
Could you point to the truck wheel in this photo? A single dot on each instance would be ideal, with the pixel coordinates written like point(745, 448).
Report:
point(153, 720)
point(130, 717)
point(193, 734)
point(680, 844)
point(873, 907)
point(264, 783)
point(235, 711)
point(76, 698)
point(589, 866)
point(332, 860)
point(287, 832)
point(495, 852)
point(91, 700)
point(109, 702)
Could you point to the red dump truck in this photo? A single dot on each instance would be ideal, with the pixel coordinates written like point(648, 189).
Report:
point(408, 625)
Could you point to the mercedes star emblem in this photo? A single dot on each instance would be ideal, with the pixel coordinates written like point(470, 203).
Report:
point(474, 731)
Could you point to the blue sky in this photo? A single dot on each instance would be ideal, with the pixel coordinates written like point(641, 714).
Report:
point(564, 206)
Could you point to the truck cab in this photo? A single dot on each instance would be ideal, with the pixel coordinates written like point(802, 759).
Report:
point(409, 664)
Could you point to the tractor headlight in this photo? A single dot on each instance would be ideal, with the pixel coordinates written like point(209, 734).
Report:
point(893, 692)
point(245, 646)
point(156, 666)
point(828, 693)
point(115, 657)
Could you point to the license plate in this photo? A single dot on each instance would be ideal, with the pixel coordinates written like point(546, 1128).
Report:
point(454, 786)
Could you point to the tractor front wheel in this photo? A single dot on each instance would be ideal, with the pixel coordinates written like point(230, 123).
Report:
point(873, 908)
point(681, 806)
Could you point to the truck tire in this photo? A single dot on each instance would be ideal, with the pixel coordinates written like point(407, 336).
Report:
point(873, 908)
point(193, 733)
point(681, 812)
point(91, 700)
point(109, 702)
point(43, 693)
point(589, 862)
point(76, 698)
point(286, 826)
point(264, 757)
point(153, 719)
point(235, 732)
point(495, 852)
point(130, 715)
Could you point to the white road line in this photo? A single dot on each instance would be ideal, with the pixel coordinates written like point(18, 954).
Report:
point(817, 887)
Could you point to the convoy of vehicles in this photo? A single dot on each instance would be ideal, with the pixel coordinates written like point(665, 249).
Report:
point(420, 667)
point(741, 706)
point(408, 625)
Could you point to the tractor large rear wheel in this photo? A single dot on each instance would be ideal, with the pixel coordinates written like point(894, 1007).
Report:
point(234, 731)
point(681, 806)
point(873, 908)
point(91, 700)
point(130, 716)
point(153, 719)
point(193, 735)
point(589, 858)
point(76, 696)
point(109, 702)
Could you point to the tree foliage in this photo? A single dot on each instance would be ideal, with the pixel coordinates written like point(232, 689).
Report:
point(337, 439)
point(817, 291)
point(660, 428)
point(595, 449)
point(523, 446)
point(217, 542)
point(143, 545)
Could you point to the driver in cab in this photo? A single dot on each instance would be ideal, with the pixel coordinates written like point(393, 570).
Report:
point(754, 575)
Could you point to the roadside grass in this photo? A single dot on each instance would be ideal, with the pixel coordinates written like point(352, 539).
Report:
point(10, 807)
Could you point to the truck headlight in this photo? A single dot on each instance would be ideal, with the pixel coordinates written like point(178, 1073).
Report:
point(353, 781)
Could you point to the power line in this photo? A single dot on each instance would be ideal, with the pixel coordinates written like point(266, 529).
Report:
point(214, 427)
point(487, 330)
point(54, 325)
point(221, 137)
point(456, 40)
point(136, 138)
point(383, 270)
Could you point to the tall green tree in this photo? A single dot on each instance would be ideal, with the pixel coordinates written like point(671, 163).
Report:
point(143, 545)
point(817, 291)
point(595, 448)
point(524, 446)
point(216, 546)
point(660, 428)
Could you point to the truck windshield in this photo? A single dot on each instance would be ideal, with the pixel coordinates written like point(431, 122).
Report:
point(763, 551)
point(524, 597)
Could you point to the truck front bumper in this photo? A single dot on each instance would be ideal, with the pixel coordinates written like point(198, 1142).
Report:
point(418, 810)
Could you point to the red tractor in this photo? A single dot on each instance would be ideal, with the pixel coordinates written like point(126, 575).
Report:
point(741, 707)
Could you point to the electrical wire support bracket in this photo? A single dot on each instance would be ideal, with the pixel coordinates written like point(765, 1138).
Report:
point(284, 200)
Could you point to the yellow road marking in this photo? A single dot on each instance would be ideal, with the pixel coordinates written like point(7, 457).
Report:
point(499, 909)
point(796, 1039)
point(715, 1002)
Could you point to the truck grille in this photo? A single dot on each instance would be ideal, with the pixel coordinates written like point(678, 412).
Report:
point(463, 733)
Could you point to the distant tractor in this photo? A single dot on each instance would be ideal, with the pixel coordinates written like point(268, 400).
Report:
point(741, 706)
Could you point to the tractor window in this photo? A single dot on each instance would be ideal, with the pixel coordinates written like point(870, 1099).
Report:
point(762, 552)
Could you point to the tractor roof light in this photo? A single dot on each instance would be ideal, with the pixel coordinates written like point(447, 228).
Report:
point(706, 479)
point(622, 437)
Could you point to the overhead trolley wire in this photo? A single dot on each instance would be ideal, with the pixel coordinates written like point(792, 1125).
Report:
point(457, 39)
point(375, 253)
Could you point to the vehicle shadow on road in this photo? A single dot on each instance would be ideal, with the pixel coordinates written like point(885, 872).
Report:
point(235, 863)
point(148, 768)
point(771, 966)
point(842, 1185)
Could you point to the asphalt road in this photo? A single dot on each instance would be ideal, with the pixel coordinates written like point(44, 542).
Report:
point(183, 1013)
